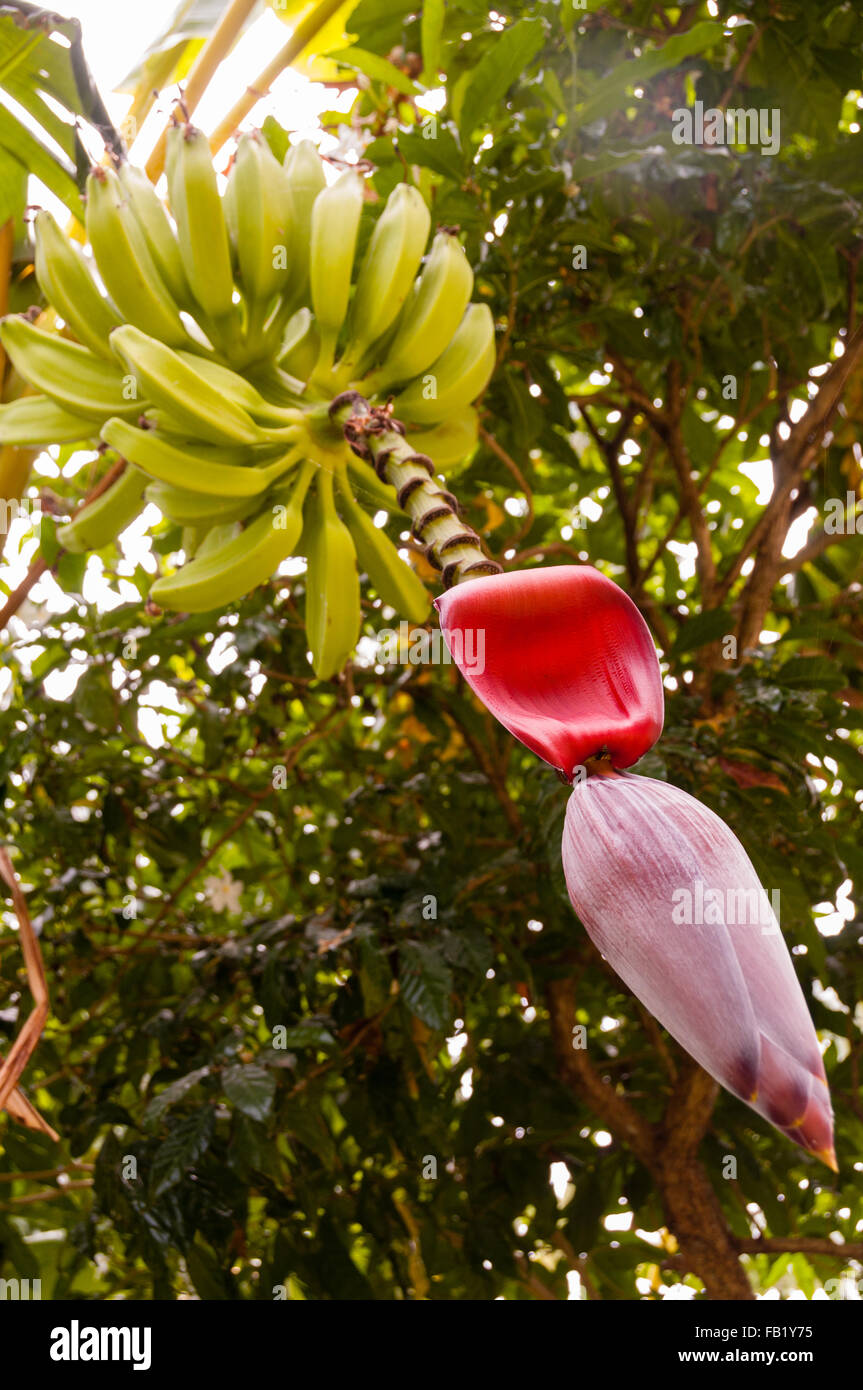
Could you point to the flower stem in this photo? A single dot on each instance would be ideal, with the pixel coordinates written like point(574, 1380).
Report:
point(217, 47)
point(299, 40)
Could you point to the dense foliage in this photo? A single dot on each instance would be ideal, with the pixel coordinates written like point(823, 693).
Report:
point(263, 916)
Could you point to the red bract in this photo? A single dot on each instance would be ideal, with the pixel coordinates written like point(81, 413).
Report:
point(669, 896)
point(563, 658)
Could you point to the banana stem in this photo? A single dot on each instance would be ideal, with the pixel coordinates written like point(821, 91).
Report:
point(204, 68)
point(297, 43)
point(453, 548)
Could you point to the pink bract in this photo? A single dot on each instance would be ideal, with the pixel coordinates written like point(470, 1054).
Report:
point(668, 894)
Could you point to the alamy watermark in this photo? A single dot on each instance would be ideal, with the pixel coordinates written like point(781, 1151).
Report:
point(419, 646)
point(750, 126)
point(701, 906)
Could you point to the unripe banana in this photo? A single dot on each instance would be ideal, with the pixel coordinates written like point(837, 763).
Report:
point(335, 224)
point(240, 391)
point(457, 377)
point(395, 581)
point(193, 193)
point(198, 509)
point(103, 519)
point(152, 218)
point(333, 614)
point(172, 463)
point(237, 564)
point(39, 420)
point(387, 273)
point(430, 318)
point(449, 443)
point(125, 264)
point(180, 389)
point(65, 277)
point(201, 541)
point(258, 214)
point(305, 170)
point(367, 486)
point(67, 372)
point(301, 346)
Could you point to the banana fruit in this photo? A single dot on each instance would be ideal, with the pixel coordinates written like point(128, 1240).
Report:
point(234, 564)
point(39, 420)
point(305, 173)
point(65, 276)
point(172, 463)
point(335, 225)
point(198, 509)
point(333, 613)
point(450, 443)
point(202, 233)
point(102, 520)
point(301, 345)
point(387, 272)
point(430, 318)
point(395, 581)
point(258, 211)
point(125, 264)
point(69, 373)
point(179, 388)
point(457, 377)
point(149, 212)
point(205, 341)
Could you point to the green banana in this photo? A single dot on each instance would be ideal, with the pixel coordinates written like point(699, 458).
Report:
point(301, 345)
point(103, 519)
point(450, 442)
point(64, 274)
point(457, 377)
point(125, 264)
point(39, 420)
point(239, 390)
point(430, 318)
point(180, 389)
point(70, 374)
point(149, 212)
point(367, 486)
point(335, 224)
point(258, 214)
point(170, 463)
point(202, 234)
point(170, 429)
point(305, 170)
point(395, 581)
point(333, 614)
point(387, 272)
point(198, 509)
point(236, 564)
point(200, 541)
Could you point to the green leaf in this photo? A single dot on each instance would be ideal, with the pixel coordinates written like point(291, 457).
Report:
point(171, 1094)
point(378, 69)
point(508, 59)
point(426, 984)
point(432, 16)
point(251, 1089)
point(184, 1146)
point(433, 148)
point(610, 93)
point(700, 630)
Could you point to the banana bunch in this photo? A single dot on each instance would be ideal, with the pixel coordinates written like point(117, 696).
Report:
point(202, 342)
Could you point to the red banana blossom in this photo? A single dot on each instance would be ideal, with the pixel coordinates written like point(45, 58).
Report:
point(564, 660)
point(668, 894)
